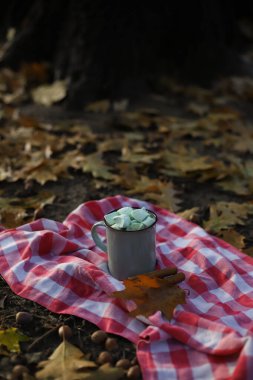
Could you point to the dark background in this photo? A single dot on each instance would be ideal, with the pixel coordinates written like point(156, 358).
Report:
point(110, 48)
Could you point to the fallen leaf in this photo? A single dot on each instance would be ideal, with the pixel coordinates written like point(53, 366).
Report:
point(14, 211)
point(244, 142)
point(235, 184)
point(121, 105)
point(242, 87)
point(11, 338)
point(189, 214)
point(136, 153)
point(93, 163)
point(166, 197)
point(43, 170)
point(233, 237)
point(248, 251)
point(12, 88)
point(100, 106)
point(34, 72)
point(184, 162)
point(128, 175)
point(223, 215)
point(151, 295)
point(145, 185)
point(68, 362)
point(163, 193)
point(47, 95)
point(198, 109)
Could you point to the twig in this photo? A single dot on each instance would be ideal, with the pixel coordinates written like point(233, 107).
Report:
point(176, 279)
point(162, 272)
point(42, 337)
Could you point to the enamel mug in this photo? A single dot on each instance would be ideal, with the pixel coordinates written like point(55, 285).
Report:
point(129, 252)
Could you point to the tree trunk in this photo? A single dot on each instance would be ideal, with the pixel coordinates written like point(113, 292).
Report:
point(113, 48)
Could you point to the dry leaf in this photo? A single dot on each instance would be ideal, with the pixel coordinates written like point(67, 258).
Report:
point(128, 175)
point(34, 72)
point(68, 362)
point(121, 105)
point(163, 193)
point(184, 162)
point(145, 185)
point(248, 251)
point(235, 184)
point(226, 214)
point(136, 153)
point(13, 211)
point(94, 163)
point(244, 142)
point(189, 214)
point(12, 86)
point(232, 237)
point(100, 106)
point(151, 295)
point(166, 197)
point(50, 94)
point(198, 109)
point(43, 170)
point(239, 86)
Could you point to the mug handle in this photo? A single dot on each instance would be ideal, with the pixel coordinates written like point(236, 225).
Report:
point(96, 237)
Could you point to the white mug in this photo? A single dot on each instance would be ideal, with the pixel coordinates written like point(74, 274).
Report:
point(129, 252)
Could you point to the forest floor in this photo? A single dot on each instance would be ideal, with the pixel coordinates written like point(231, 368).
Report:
point(188, 149)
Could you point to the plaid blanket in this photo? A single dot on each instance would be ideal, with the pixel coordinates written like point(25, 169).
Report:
point(210, 337)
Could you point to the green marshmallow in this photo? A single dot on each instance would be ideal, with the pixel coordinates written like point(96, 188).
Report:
point(122, 220)
point(139, 214)
point(149, 221)
point(109, 217)
point(130, 219)
point(125, 210)
point(135, 226)
point(116, 226)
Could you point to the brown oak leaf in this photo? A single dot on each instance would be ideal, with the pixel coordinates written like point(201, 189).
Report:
point(151, 294)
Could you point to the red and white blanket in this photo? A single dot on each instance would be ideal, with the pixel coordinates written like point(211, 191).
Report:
point(210, 337)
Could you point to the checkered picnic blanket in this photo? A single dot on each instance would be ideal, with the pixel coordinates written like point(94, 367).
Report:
point(210, 337)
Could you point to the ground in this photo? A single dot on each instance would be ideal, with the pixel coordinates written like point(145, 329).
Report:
point(187, 149)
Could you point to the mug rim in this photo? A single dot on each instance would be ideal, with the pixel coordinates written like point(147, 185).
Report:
point(135, 207)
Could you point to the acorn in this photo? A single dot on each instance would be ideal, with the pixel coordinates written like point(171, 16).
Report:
point(104, 357)
point(18, 370)
point(98, 336)
point(123, 363)
point(24, 318)
point(111, 344)
point(133, 372)
point(65, 332)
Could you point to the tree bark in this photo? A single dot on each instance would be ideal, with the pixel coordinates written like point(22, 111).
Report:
point(107, 48)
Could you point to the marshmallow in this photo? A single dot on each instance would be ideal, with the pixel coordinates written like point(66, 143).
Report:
point(122, 220)
point(149, 221)
point(109, 217)
point(116, 226)
point(125, 210)
point(130, 219)
point(139, 214)
point(135, 226)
